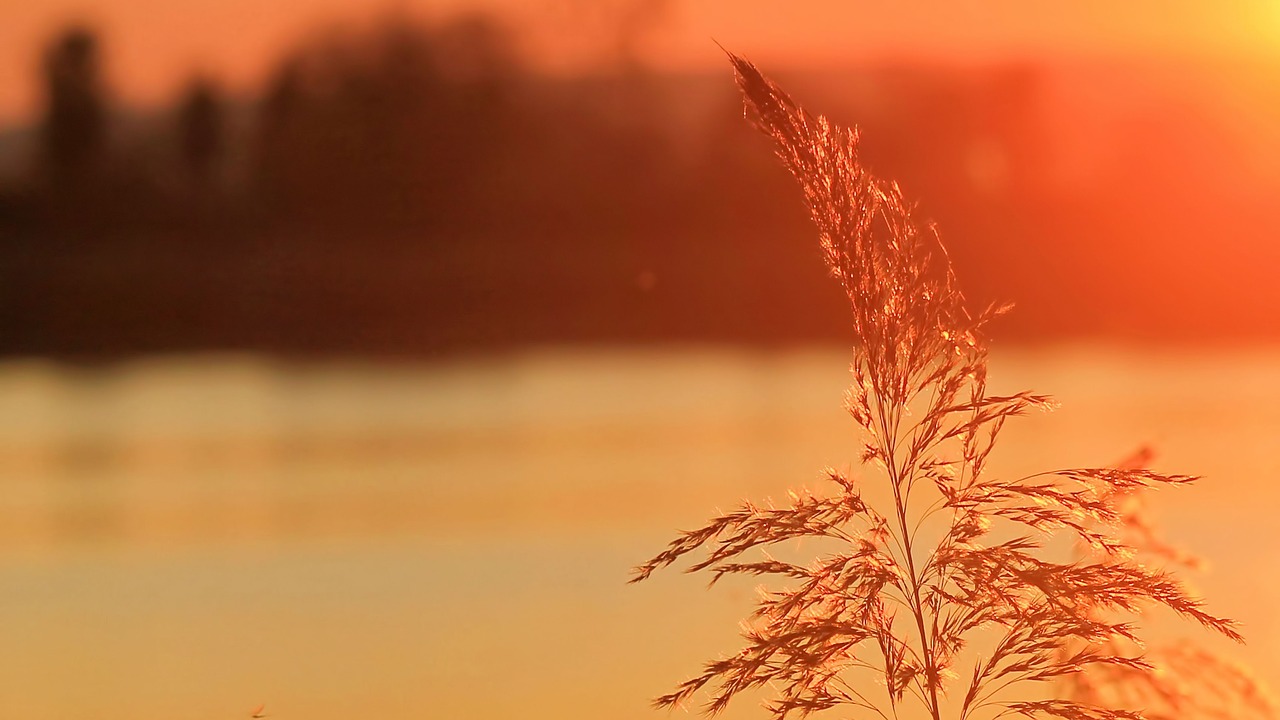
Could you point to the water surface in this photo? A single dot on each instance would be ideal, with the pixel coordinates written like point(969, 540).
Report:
point(189, 537)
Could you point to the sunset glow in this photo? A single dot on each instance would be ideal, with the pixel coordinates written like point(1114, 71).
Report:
point(155, 46)
point(353, 355)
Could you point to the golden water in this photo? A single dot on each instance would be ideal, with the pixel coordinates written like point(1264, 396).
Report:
point(190, 537)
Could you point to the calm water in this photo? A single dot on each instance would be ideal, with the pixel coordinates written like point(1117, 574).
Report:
point(190, 537)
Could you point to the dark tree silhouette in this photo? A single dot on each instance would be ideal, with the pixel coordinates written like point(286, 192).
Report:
point(73, 135)
point(402, 127)
point(201, 130)
point(277, 128)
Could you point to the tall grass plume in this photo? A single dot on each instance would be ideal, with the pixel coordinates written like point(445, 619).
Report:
point(944, 594)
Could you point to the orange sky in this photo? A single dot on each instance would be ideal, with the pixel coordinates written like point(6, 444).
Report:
point(151, 45)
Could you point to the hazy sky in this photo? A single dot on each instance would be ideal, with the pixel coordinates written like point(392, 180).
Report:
point(152, 45)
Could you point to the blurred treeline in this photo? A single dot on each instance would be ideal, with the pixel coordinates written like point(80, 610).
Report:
point(418, 189)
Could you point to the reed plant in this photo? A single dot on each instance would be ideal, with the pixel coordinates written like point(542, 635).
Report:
point(931, 586)
point(1190, 681)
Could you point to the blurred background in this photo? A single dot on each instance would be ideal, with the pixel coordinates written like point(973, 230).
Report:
point(353, 352)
